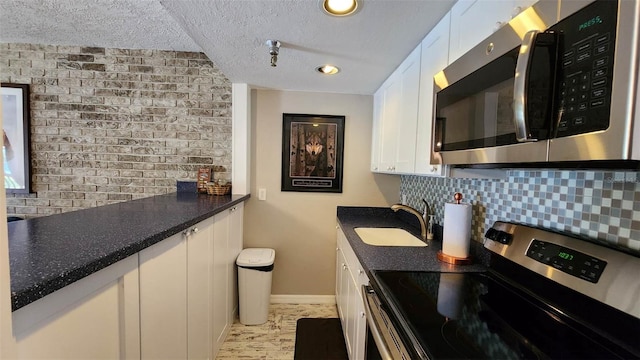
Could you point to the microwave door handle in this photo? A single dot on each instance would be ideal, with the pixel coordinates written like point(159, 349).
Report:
point(520, 87)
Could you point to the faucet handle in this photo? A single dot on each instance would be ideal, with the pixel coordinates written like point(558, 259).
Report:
point(427, 212)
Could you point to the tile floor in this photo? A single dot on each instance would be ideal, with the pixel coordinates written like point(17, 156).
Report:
point(275, 339)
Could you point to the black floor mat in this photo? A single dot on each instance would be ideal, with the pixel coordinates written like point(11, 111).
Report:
point(320, 339)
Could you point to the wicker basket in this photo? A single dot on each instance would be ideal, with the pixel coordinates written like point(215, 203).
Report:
point(215, 189)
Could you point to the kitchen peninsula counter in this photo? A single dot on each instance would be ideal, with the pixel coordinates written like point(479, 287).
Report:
point(51, 252)
point(400, 258)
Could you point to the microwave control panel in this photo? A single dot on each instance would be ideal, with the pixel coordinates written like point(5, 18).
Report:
point(586, 55)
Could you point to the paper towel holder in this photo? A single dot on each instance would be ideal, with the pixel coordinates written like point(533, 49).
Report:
point(449, 258)
point(452, 259)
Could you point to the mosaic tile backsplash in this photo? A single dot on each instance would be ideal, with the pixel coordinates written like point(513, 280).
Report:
point(601, 205)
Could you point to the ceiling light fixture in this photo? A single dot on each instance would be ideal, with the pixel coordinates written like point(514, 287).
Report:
point(339, 7)
point(328, 69)
point(274, 50)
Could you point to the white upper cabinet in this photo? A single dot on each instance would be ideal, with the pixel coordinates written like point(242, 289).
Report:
point(408, 121)
point(474, 20)
point(403, 105)
point(395, 118)
point(376, 129)
point(390, 111)
point(435, 50)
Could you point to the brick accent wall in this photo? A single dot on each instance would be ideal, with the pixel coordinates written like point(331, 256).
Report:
point(110, 125)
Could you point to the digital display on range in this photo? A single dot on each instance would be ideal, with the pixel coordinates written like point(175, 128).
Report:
point(567, 260)
point(566, 256)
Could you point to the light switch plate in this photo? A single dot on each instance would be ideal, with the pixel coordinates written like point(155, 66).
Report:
point(262, 194)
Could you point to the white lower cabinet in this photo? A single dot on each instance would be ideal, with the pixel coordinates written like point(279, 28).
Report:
point(200, 255)
point(175, 299)
point(236, 236)
point(187, 289)
point(94, 318)
point(163, 299)
point(350, 277)
point(227, 244)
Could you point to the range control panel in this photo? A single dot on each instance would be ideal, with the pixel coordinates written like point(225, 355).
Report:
point(586, 265)
point(567, 260)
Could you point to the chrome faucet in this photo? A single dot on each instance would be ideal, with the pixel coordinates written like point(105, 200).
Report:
point(409, 209)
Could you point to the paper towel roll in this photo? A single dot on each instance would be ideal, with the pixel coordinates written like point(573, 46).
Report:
point(456, 235)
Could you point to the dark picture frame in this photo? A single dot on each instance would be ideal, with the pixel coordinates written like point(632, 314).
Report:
point(15, 126)
point(312, 152)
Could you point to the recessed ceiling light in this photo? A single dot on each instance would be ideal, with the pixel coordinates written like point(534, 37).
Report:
point(339, 7)
point(328, 69)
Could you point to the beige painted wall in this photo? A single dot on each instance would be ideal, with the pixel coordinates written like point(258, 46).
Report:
point(301, 226)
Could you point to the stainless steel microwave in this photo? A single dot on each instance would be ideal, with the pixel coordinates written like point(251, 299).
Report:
point(557, 84)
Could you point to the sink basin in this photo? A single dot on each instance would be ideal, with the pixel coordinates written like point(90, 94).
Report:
point(388, 237)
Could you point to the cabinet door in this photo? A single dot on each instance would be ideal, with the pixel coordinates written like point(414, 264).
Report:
point(343, 291)
point(391, 92)
point(236, 223)
point(360, 335)
point(350, 303)
point(163, 299)
point(350, 277)
point(474, 20)
point(220, 280)
point(96, 317)
point(408, 119)
point(199, 289)
point(435, 49)
point(375, 131)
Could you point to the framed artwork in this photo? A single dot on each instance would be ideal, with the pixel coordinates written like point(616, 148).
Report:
point(15, 148)
point(312, 152)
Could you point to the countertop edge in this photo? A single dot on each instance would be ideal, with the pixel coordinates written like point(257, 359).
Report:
point(49, 285)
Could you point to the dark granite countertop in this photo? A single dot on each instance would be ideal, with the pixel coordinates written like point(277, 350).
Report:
point(51, 252)
point(400, 258)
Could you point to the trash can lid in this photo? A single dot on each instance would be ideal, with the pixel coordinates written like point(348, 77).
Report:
point(256, 257)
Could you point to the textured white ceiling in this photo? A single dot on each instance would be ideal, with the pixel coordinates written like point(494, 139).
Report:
point(367, 46)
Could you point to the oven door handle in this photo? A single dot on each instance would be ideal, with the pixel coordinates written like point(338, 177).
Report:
point(383, 348)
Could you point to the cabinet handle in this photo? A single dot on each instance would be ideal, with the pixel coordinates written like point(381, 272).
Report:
point(194, 230)
point(337, 249)
point(434, 169)
point(186, 232)
point(362, 314)
point(360, 272)
point(233, 209)
point(344, 267)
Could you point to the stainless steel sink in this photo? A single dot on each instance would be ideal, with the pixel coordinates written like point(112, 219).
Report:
point(388, 237)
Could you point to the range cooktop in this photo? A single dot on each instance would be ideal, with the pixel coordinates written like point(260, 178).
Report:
point(543, 305)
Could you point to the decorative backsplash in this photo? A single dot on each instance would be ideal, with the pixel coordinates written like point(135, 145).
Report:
point(602, 205)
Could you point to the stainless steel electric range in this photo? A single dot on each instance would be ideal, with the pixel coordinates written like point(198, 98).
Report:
point(546, 295)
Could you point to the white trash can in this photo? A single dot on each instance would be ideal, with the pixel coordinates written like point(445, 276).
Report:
point(254, 284)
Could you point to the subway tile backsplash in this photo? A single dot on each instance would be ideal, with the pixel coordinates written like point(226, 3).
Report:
point(602, 205)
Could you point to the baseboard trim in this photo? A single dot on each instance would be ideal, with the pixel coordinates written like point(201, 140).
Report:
point(303, 299)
